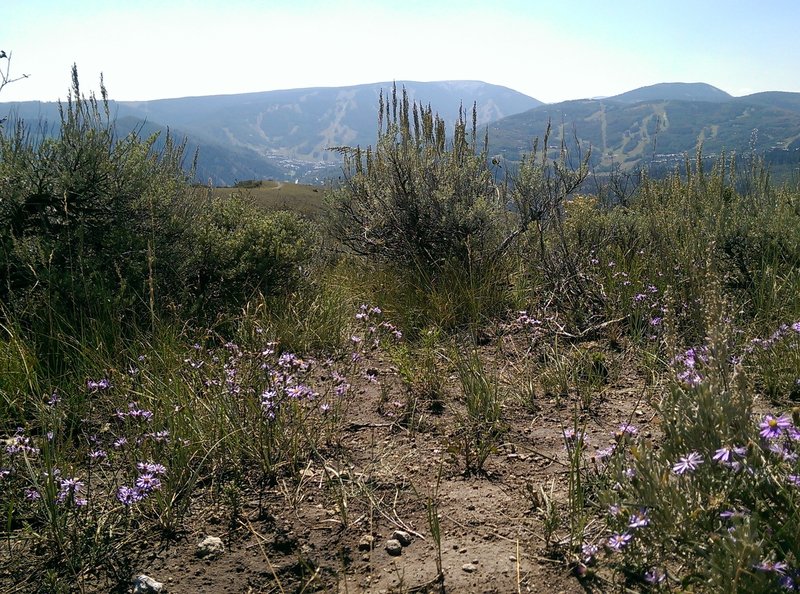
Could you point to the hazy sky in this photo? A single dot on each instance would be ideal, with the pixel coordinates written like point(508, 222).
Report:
point(553, 51)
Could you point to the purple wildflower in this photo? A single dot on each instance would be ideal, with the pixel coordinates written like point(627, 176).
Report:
point(655, 575)
point(617, 542)
point(688, 463)
point(128, 495)
point(639, 519)
point(147, 482)
point(151, 467)
point(589, 551)
point(772, 427)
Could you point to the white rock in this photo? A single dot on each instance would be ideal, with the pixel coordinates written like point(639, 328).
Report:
point(143, 584)
point(210, 546)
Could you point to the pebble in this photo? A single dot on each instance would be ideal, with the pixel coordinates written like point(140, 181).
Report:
point(393, 547)
point(366, 543)
point(469, 567)
point(401, 536)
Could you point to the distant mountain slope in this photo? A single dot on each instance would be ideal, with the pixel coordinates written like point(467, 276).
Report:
point(656, 131)
point(304, 123)
point(286, 134)
point(674, 92)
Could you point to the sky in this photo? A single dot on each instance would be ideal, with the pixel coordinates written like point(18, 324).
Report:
point(553, 51)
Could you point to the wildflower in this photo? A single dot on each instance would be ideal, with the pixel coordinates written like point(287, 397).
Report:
point(796, 327)
point(589, 551)
point(614, 509)
point(120, 442)
point(768, 566)
point(772, 427)
point(151, 467)
point(688, 463)
point(355, 339)
point(159, 436)
point(626, 429)
point(147, 482)
point(734, 513)
point(618, 541)
point(605, 453)
point(794, 479)
point(98, 385)
point(32, 494)
point(639, 519)
point(54, 399)
point(655, 575)
point(97, 455)
point(4, 472)
point(325, 408)
point(128, 495)
point(655, 321)
point(723, 454)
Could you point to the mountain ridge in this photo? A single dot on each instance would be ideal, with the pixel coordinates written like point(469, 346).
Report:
point(287, 133)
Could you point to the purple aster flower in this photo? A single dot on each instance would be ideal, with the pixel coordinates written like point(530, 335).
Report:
point(794, 479)
point(723, 454)
point(772, 427)
point(734, 513)
point(147, 482)
point(777, 567)
point(128, 495)
point(655, 575)
point(626, 429)
point(639, 519)
point(688, 463)
point(151, 467)
point(605, 453)
point(796, 327)
point(589, 551)
point(617, 542)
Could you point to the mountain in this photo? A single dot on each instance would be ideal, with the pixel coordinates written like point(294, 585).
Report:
point(673, 92)
point(286, 134)
point(661, 130)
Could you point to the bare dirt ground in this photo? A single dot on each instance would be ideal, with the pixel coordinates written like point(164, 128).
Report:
point(328, 529)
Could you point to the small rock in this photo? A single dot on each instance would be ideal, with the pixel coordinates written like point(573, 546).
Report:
point(144, 584)
point(210, 546)
point(469, 567)
point(403, 537)
point(393, 547)
point(366, 543)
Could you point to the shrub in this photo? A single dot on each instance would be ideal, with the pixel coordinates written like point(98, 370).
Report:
point(417, 199)
point(94, 225)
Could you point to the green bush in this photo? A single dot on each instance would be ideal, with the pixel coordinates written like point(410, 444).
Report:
point(417, 199)
point(92, 225)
